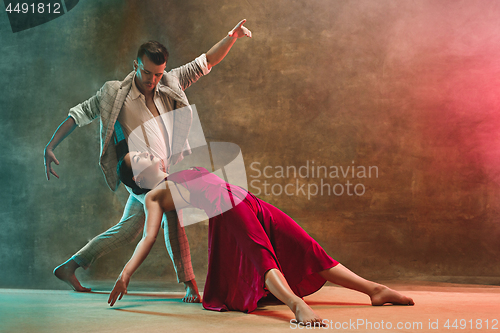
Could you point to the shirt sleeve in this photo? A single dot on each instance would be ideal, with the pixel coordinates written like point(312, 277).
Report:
point(85, 112)
point(202, 62)
point(191, 72)
point(79, 116)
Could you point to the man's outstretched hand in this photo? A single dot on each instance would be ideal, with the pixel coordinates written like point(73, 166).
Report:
point(49, 157)
point(220, 50)
point(239, 30)
point(65, 129)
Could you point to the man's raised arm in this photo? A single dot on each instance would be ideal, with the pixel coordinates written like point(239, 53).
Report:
point(192, 71)
point(220, 50)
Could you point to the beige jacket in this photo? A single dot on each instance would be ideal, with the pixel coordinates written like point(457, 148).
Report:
point(108, 101)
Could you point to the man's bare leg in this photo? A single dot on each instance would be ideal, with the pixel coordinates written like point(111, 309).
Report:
point(379, 294)
point(66, 273)
point(192, 294)
point(277, 285)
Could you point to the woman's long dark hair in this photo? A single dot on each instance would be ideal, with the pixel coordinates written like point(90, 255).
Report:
point(125, 174)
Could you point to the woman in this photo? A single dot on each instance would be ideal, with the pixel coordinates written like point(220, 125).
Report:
point(253, 246)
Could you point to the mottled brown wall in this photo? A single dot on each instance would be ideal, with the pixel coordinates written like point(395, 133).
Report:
point(408, 87)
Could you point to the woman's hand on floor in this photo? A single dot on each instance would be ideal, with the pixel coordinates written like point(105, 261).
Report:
point(118, 291)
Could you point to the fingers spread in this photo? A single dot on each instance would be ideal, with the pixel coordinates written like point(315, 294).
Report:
point(53, 172)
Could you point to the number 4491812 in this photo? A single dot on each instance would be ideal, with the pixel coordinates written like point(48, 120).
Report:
point(472, 324)
point(40, 8)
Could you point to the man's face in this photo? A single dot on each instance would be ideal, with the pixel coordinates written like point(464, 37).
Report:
point(148, 74)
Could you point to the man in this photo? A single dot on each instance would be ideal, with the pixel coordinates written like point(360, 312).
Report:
point(145, 94)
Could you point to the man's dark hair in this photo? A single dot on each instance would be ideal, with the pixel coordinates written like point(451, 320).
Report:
point(126, 175)
point(155, 51)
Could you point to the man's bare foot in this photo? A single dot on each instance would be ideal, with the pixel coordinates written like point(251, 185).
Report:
point(383, 295)
point(192, 295)
point(305, 315)
point(66, 273)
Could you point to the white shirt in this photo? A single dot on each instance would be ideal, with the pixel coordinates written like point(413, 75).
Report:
point(137, 121)
point(135, 113)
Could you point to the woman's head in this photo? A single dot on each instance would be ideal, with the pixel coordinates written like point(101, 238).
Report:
point(137, 170)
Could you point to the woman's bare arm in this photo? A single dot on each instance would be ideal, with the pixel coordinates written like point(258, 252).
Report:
point(154, 213)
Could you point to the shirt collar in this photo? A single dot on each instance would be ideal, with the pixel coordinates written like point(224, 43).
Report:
point(135, 93)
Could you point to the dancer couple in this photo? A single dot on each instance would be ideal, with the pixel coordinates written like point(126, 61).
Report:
point(254, 247)
point(146, 93)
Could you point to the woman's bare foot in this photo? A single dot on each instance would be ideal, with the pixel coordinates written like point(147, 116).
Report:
point(192, 295)
point(66, 273)
point(305, 315)
point(383, 295)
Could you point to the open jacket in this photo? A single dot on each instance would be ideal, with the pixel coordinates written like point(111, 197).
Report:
point(108, 101)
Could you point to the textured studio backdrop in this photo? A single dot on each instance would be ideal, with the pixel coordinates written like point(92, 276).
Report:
point(409, 88)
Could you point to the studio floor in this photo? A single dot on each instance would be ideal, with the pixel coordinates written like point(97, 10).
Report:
point(440, 307)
